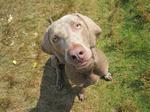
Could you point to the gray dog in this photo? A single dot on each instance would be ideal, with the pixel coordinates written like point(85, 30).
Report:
point(71, 41)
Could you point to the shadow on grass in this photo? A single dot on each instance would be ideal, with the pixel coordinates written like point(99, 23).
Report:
point(52, 100)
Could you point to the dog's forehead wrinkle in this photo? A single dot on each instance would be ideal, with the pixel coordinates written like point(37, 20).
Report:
point(63, 24)
point(60, 29)
point(67, 18)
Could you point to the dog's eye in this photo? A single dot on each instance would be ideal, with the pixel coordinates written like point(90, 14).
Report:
point(55, 39)
point(78, 25)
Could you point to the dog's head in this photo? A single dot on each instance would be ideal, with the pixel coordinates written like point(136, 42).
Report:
point(70, 39)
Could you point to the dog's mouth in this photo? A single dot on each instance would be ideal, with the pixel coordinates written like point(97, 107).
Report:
point(83, 63)
point(86, 65)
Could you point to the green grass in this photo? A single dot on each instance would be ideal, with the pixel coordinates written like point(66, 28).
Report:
point(125, 39)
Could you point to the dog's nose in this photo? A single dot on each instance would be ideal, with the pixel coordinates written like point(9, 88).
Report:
point(76, 53)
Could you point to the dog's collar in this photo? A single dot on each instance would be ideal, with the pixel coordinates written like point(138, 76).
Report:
point(93, 46)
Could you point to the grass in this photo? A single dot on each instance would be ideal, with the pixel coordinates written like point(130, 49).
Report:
point(125, 40)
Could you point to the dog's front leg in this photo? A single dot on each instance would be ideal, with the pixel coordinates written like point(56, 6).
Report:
point(103, 73)
point(101, 65)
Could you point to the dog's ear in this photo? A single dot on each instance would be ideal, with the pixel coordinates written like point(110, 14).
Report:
point(46, 45)
point(92, 26)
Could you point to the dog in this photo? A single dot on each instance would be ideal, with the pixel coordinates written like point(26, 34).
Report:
point(71, 41)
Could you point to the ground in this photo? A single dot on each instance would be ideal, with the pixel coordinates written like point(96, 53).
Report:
point(28, 85)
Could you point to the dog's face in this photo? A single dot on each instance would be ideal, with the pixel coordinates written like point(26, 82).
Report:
point(70, 38)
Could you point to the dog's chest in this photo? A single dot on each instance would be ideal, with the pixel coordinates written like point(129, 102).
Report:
point(80, 79)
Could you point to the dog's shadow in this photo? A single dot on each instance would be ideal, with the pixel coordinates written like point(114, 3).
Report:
point(52, 100)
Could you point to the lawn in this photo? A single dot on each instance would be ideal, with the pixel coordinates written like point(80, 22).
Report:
point(25, 86)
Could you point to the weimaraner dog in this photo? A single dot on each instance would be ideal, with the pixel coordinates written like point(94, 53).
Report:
point(71, 41)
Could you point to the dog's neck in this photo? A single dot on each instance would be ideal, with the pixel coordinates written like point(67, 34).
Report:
point(93, 50)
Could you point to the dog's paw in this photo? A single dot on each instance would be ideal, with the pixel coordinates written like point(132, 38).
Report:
point(81, 97)
point(108, 77)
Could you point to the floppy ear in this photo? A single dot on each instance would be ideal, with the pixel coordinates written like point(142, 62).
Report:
point(46, 45)
point(92, 26)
